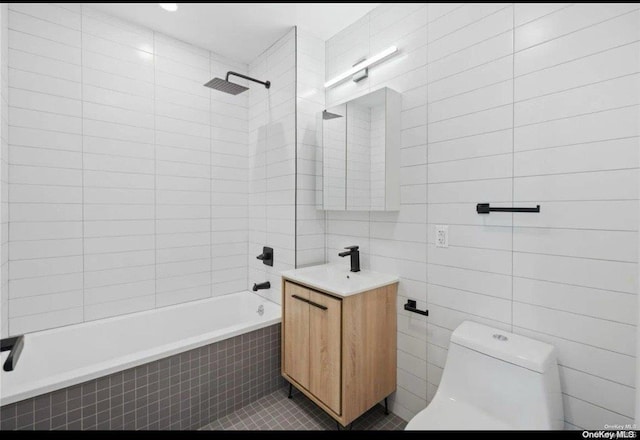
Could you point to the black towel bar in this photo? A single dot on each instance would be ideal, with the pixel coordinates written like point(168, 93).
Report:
point(485, 208)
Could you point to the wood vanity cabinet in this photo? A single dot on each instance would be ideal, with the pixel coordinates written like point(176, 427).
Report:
point(340, 351)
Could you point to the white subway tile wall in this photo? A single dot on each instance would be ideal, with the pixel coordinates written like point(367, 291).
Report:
point(519, 104)
point(576, 94)
point(46, 190)
point(272, 163)
point(229, 184)
point(4, 171)
point(127, 178)
point(183, 153)
point(118, 168)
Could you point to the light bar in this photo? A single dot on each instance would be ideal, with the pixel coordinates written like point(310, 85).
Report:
point(361, 65)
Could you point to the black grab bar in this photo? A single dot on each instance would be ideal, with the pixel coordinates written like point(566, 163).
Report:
point(15, 345)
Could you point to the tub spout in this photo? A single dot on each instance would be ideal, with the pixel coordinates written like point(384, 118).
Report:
point(265, 285)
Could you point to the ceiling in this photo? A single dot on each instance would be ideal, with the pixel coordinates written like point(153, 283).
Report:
point(240, 31)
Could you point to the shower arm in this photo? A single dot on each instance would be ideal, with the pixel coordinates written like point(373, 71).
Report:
point(267, 84)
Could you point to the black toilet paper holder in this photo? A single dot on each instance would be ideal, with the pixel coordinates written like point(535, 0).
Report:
point(411, 307)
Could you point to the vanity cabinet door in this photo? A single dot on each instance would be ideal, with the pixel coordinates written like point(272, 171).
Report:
point(325, 349)
point(296, 331)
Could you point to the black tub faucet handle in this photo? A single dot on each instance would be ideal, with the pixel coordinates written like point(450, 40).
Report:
point(266, 256)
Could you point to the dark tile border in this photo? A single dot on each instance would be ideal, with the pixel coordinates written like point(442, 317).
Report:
point(184, 391)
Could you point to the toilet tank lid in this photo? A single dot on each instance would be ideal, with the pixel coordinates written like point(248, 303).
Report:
point(519, 350)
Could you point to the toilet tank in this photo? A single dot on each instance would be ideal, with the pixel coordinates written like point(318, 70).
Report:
point(510, 377)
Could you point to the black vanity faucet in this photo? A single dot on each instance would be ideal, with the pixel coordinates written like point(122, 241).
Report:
point(355, 257)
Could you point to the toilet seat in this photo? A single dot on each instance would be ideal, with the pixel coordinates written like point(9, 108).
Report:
point(447, 414)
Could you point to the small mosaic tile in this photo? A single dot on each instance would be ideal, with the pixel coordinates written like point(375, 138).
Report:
point(276, 411)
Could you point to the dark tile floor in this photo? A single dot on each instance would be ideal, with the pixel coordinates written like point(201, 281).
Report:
point(276, 412)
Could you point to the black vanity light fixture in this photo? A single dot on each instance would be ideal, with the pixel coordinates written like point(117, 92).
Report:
point(485, 208)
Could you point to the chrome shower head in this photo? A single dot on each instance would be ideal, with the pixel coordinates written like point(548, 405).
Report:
point(224, 85)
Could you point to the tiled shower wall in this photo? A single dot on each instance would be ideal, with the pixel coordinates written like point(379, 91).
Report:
point(127, 177)
point(272, 163)
point(513, 104)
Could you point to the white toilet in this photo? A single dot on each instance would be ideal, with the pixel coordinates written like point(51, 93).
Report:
point(495, 380)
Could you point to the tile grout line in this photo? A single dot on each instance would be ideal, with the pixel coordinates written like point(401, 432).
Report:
point(471, 23)
point(426, 127)
point(7, 180)
point(576, 314)
point(155, 181)
point(568, 33)
point(370, 213)
point(210, 180)
point(82, 157)
point(537, 150)
point(295, 146)
point(513, 137)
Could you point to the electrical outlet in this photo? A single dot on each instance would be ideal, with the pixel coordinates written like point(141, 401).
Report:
point(442, 236)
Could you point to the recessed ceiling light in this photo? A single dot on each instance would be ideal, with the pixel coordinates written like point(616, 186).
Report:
point(171, 7)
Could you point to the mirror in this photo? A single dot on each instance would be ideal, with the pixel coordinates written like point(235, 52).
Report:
point(360, 154)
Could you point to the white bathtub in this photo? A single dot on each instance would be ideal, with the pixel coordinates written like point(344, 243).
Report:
point(66, 356)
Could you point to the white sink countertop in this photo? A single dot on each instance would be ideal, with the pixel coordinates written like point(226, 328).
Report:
point(338, 279)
